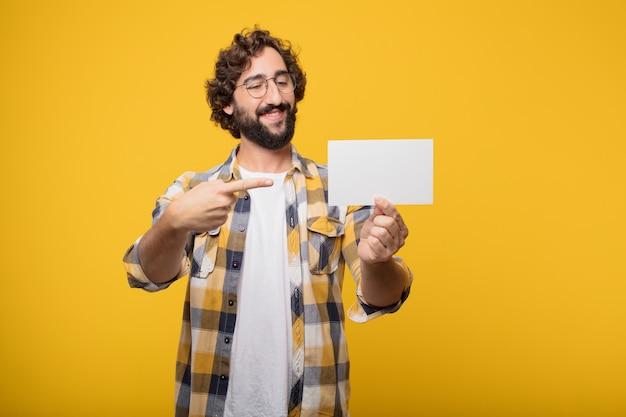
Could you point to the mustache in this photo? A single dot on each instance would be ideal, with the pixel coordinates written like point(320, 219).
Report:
point(270, 107)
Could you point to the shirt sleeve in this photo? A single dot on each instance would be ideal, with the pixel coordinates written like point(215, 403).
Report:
point(134, 272)
point(360, 311)
point(137, 277)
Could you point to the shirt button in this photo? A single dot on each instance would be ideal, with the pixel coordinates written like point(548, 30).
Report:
point(222, 377)
point(242, 229)
point(231, 302)
point(235, 264)
point(246, 197)
point(227, 340)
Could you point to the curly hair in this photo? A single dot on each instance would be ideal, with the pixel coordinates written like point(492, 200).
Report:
point(233, 61)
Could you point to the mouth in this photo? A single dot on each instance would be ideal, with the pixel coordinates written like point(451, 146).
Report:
point(273, 113)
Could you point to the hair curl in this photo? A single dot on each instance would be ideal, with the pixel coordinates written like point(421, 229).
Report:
point(233, 61)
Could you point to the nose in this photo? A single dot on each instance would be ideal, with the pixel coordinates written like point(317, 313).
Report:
point(273, 96)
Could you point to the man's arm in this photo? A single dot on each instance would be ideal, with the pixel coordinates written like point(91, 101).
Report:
point(203, 208)
point(382, 279)
point(161, 249)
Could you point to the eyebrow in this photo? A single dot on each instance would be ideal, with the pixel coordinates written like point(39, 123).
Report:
point(262, 76)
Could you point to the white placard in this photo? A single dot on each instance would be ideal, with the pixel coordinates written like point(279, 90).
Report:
point(400, 170)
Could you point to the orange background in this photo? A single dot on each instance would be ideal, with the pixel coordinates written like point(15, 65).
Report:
point(519, 301)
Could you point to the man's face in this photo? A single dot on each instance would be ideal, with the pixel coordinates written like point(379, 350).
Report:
point(269, 120)
point(274, 136)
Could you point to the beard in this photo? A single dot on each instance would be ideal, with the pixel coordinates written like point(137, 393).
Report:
point(252, 128)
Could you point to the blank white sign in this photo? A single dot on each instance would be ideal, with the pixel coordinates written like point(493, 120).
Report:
point(400, 170)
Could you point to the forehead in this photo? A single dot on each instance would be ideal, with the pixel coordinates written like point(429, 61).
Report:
point(267, 63)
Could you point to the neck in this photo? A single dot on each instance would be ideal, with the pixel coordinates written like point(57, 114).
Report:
point(256, 158)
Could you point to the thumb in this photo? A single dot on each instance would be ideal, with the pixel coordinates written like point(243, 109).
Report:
point(378, 206)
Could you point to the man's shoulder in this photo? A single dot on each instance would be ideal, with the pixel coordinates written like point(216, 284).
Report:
point(313, 168)
point(218, 171)
point(202, 176)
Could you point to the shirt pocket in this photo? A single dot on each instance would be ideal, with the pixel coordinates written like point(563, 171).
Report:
point(204, 254)
point(325, 234)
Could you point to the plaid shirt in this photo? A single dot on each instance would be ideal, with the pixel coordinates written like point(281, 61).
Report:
point(321, 240)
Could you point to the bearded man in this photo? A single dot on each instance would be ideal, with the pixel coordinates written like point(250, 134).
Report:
point(263, 326)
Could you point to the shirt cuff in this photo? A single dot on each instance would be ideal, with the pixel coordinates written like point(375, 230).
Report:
point(360, 311)
point(137, 277)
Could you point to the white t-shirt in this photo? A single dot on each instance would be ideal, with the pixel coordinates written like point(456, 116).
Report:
point(261, 353)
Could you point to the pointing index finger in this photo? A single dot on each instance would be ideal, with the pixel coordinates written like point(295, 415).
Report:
point(247, 184)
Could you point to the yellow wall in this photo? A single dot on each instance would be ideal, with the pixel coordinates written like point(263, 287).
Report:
point(519, 302)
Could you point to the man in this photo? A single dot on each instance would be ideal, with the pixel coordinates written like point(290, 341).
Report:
point(263, 328)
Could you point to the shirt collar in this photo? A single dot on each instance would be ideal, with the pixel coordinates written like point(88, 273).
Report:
point(230, 169)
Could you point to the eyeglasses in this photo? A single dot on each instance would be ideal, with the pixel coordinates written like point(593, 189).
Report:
point(257, 87)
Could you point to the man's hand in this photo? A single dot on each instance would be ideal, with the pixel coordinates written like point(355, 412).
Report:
point(206, 206)
point(383, 234)
point(201, 209)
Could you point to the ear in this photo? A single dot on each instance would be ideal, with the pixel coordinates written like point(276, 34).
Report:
point(228, 109)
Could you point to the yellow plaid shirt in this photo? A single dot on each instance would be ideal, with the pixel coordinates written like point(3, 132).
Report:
point(321, 240)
